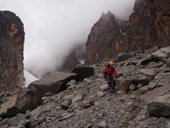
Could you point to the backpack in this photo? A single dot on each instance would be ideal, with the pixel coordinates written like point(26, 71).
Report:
point(106, 73)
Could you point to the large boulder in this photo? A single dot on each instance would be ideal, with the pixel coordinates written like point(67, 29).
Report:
point(52, 83)
point(20, 102)
point(160, 107)
point(83, 72)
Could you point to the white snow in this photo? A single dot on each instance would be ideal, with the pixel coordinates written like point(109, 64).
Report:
point(28, 78)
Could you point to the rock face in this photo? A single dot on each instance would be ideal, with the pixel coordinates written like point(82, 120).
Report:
point(105, 39)
point(148, 26)
point(11, 51)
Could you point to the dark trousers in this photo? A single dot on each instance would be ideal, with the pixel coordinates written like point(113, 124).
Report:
point(111, 82)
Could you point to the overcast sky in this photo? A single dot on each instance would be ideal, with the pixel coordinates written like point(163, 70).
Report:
point(53, 26)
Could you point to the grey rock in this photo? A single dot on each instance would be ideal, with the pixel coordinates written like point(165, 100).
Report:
point(140, 80)
point(122, 57)
point(65, 105)
point(148, 72)
point(87, 103)
point(104, 87)
point(158, 55)
point(18, 120)
point(152, 85)
point(71, 83)
point(102, 124)
point(166, 50)
point(123, 84)
point(168, 63)
point(141, 90)
point(168, 125)
point(83, 71)
point(100, 94)
point(65, 116)
point(52, 83)
point(162, 76)
point(141, 117)
point(77, 98)
point(139, 85)
point(132, 87)
point(20, 102)
point(4, 123)
point(160, 107)
point(68, 97)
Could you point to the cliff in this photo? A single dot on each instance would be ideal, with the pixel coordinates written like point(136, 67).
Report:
point(105, 39)
point(148, 26)
point(11, 51)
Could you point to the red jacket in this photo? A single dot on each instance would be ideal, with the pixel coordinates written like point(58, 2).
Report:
point(109, 71)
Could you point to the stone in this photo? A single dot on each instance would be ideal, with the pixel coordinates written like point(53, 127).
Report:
point(141, 90)
point(11, 51)
point(52, 83)
point(148, 72)
point(132, 87)
point(100, 94)
point(102, 124)
point(19, 119)
point(168, 125)
point(166, 50)
point(141, 117)
point(87, 103)
point(140, 80)
point(145, 61)
point(168, 63)
point(65, 116)
point(4, 123)
point(139, 85)
point(104, 87)
point(161, 76)
point(152, 85)
point(158, 55)
point(65, 104)
point(68, 97)
point(160, 107)
point(77, 98)
point(122, 57)
point(123, 85)
point(71, 83)
point(20, 103)
point(83, 72)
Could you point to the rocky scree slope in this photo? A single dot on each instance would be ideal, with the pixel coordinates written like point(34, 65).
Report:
point(143, 77)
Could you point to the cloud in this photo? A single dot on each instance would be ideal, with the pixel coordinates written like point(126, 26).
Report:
point(53, 26)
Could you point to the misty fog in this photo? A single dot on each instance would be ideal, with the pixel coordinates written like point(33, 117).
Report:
point(53, 26)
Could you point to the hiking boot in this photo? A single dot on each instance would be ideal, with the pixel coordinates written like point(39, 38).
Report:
point(111, 91)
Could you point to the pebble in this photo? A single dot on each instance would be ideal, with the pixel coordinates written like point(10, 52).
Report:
point(102, 124)
point(100, 94)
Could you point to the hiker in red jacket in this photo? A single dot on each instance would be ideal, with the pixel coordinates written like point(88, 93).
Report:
point(108, 74)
